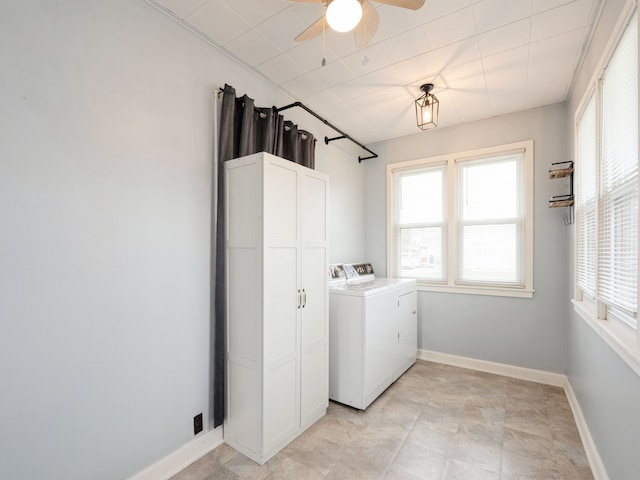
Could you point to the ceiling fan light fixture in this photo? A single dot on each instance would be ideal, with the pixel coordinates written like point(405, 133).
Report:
point(344, 15)
point(427, 108)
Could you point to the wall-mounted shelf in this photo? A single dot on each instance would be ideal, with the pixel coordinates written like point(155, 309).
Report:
point(563, 170)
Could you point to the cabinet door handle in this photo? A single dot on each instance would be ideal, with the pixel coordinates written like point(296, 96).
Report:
point(414, 312)
point(299, 299)
point(305, 298)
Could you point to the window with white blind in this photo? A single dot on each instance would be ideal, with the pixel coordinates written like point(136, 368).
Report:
point(463, 222)
point(607, 196)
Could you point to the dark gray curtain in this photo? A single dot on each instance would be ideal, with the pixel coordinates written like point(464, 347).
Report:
point(245, 129)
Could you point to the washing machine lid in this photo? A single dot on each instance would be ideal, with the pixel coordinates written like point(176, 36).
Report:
point(371, 287)
point(358, 279)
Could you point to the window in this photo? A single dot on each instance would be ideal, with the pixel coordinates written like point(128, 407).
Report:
point(463, 222)
point(607, 196)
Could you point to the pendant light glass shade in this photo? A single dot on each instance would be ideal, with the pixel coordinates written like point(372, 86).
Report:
point(344, 15)
point(427, 108)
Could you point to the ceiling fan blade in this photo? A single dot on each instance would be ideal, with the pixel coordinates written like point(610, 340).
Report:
point(410, 4)
point(313, 30)
point(368, 26)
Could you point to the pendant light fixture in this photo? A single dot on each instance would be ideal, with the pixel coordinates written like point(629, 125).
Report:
point(427, 107)
point(344, 15)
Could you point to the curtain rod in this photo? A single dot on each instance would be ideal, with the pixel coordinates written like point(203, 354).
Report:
point(329, 124)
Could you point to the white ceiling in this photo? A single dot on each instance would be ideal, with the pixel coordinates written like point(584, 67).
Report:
point(485, 57)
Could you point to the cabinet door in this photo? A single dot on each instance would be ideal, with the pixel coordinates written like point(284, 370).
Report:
point(380, 340)
point(281, 264)
point(407, 332)
point(314, 361)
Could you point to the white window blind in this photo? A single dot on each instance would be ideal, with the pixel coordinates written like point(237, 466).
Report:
point(490, 221)
point(618, 185)
point(420, 235)
point(586, 200)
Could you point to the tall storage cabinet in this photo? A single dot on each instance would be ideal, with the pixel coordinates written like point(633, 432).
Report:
point(277, 303)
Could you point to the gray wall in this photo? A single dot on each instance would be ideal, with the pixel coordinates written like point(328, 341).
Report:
point(605, 386)
point(106, 140)
point(524, 332)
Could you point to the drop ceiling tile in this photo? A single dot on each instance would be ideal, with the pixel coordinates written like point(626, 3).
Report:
point(506, 76)
point(182, 8)
point(507, 72)
point(332, 74)
point(561, 45)
point(384, 78)
point(439, 60)
point(504, 38)
point(471, 104)
point(561, 19)
point(219, 22)
point(403, 94)
point(308, 55)
point(491, 14)
point(253, 48)
point(405, 45)
point(257, 12)
point(451, 28)
point(336, 113)
point(543, 5)
point(548, 81)
point(280, 69)
point(469, 76)
point(366, 61)
point(282, 28)
point(303, 86)
point(434, 9)
point(456, 54)
point(394, 21)
point(310, 12)
point(448, 112)
point(502, 104)
point(342, 44)
point(365, 105)
point(349, 90)
point(416, 67)
point(322, 100)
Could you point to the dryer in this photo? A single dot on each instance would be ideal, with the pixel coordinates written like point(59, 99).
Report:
point(373, 334)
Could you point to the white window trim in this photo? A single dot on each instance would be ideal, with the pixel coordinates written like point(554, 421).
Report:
point(621, 339)
point(450, 287)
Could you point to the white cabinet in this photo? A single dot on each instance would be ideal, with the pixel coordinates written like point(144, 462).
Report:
point(277, 303)
point(373, 338)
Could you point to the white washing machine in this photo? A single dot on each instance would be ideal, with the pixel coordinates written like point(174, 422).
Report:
point(373, 333)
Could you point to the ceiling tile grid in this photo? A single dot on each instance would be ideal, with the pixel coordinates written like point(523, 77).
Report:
point(485, 57)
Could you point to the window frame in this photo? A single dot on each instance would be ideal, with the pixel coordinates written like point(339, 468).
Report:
point(620, 336)
point(452, 221)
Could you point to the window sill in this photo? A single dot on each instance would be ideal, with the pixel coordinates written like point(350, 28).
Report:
point(467, 290)
point(623, 343)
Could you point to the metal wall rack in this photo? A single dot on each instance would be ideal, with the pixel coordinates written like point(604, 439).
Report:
point(563, 170)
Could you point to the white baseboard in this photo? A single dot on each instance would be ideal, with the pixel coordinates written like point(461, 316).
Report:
point(538, 376)
point(597, 467)
point(182, 457)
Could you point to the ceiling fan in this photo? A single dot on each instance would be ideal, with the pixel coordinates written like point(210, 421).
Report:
point(366, 27)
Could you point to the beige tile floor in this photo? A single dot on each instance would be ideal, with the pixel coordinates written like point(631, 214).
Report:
point(436, 422)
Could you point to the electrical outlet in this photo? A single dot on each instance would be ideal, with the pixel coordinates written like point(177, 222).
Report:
point(197, 424)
